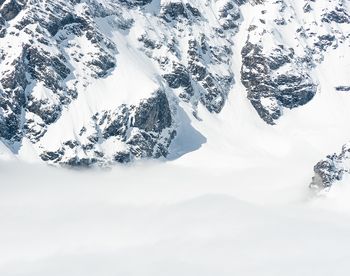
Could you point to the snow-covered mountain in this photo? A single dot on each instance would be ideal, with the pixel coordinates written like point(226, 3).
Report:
point(88, 82)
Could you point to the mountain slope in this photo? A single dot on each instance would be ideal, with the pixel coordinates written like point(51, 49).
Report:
point(99, 82)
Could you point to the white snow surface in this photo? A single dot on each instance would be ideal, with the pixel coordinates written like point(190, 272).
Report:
point(168, 219)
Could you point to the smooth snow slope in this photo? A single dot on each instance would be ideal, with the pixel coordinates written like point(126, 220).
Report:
point(163, 219)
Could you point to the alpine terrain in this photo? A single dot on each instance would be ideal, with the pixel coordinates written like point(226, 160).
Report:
point(222, 128)
point(98, 82)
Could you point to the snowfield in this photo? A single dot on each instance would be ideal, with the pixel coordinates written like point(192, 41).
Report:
point(170, 219)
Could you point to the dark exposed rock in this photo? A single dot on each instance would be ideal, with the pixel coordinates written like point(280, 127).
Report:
point(280, 21)
point(81, 162)
point(176, 10)
point(178, 78)
point(326, 173)
point(307, 8)
point(324, 41)
point(44, 67)
point(12, 100)
point(196, 79)
point(122, 157)
point(214, 98)
point(339, 15)
point(343, 88)
point(270, 91)
point(330, 170)
point(9, 127)
point(146, 131)
point(11, 9)
point(193, 11)
point(102, 64)
point(149, 43)
point(134, 3)
point(153, 114)
point(48, 113)
point(69, 19)
point(52, 156)
point(119, 122)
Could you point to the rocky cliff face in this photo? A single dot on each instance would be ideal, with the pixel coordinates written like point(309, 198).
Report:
point(121, 135)
point(95, 82)
point(280, 53)
point(39, 52)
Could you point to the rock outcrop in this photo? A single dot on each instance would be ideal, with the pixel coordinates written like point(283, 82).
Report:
point(331, 169)
point(122, 135)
